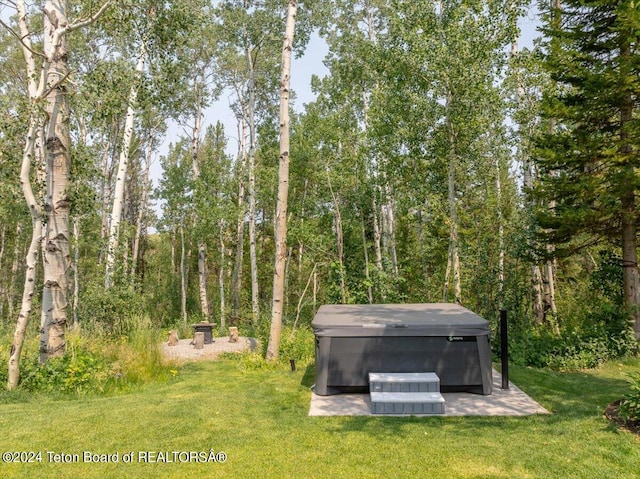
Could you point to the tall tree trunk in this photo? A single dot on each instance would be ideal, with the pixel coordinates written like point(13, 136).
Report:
point(367, 273)
point(105, 195)
point(76, 269)
point(275, 332)
point(377, 235)
point(13, 277)
point(142, 210)
point(56, 259)
point(630, 272)
point(203, 275)
point(121, 177)
point(453, 214)
point(33, 147)
point(255, 291)
point(500, 236)
point(389, 230)
point(236, 276)
point(339, 240)
point(223, 317)
point(183, 276)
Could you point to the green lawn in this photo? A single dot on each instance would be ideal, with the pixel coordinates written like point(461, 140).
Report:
point(259, 419)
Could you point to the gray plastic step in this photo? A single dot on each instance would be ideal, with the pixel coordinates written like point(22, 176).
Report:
point(404, 382)
point(407, 403)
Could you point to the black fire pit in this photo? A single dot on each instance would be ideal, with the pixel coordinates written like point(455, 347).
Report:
point(205, 328)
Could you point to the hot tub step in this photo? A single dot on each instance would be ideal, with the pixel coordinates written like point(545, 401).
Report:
point(404, 382)
point(407, 403)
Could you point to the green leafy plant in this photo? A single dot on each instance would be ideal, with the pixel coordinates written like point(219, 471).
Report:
point(630, 405)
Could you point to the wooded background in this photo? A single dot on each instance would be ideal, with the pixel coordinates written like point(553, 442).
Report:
point(439, 162)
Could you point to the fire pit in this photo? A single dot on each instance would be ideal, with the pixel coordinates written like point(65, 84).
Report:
point(205, 328)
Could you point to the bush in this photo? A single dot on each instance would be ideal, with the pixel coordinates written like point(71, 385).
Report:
point(93, 364)
point(298, 345)
point(112, 312)
point(630, 406)
point(571, 350)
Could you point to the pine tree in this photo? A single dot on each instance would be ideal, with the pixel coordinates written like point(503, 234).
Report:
point(589, 155)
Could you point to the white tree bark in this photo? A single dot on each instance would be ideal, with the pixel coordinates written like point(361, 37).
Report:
point(121, 177)
point(339, 240)
point(236, 275)
point(105, 199)
point(500, 236)
point(223, 259)
point(183, 276)
point(367, 273)
point(76, 269)
point(275, 332)
point(202, 246)
point(56, 259)
point(142, 211)
point(33, 144)
point(253, 257)
point(454, 257)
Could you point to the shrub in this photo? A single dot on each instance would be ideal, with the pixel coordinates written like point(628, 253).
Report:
point(630, 406)
point(94, 364)
point(112, 311)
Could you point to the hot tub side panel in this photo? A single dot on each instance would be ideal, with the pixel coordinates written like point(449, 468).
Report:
point(344, 363)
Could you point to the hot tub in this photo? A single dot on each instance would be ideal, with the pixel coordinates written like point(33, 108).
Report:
point(354, 340)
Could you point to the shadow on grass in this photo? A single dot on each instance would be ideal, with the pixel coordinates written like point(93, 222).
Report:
point(571, 394)
point(309, 377)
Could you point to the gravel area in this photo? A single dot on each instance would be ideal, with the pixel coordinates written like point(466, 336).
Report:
point(184, 350)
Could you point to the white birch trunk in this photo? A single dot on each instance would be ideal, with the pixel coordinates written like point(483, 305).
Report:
point(253, 257)
point(121, 177)
point(223, 316)
point(183, 277)
point(142, 211)
point(105, 198)
point(76, 261)
point(33, 143)
point(15, 264)
point(339, 239)
point(202, 246)
point(377, 235)
point(56, 258)
point(236, 276)
point(367, 273)
point(453, 214)
point(500, 237)
point(275, 332)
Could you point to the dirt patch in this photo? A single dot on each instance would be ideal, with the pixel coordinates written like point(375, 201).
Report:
point(611, 413)
point(184, 350)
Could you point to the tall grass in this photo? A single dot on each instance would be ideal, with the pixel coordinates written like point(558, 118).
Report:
point(96, 362)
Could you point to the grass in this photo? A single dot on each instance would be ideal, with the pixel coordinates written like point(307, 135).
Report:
point(260, 419)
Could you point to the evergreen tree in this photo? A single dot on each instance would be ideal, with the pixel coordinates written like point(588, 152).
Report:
point(589, 155)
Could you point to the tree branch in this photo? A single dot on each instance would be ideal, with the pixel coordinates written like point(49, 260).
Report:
point(20, 39)
point(91, 19)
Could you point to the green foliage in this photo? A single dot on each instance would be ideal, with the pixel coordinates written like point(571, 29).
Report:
point(297, 344)
point(93, 364)
point(630, 406)
point(114, 312)
point(587, 348)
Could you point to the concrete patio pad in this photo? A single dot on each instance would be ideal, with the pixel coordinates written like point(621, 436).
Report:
point(511, 402)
